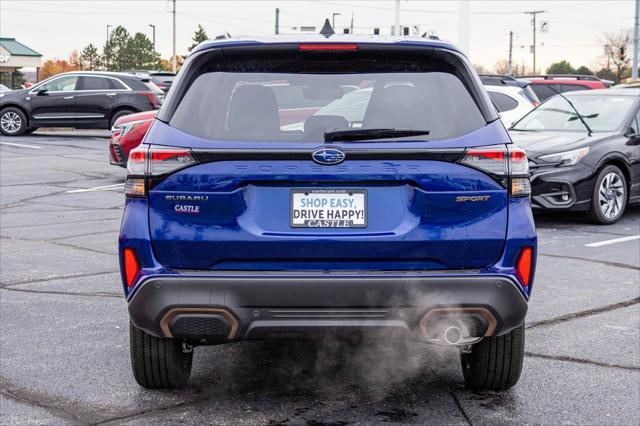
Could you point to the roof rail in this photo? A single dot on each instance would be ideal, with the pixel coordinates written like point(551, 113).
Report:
point(508, 77)
point(560, 76)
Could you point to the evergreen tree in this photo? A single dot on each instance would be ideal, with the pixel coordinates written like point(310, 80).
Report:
point(582, 70)
point(140, 53)
point(199, 36)
point(562, 67)
point(116, 55)
point(89, 58)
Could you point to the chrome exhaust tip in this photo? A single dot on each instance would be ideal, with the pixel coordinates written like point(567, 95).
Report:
point(452, 335)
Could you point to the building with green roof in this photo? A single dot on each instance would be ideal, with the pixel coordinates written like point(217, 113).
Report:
point(14, 56)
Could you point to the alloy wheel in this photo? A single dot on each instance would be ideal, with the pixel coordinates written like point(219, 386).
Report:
point(611, 195)
point(10, 122)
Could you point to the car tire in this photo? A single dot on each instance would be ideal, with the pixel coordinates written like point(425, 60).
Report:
point(31, 130)
point(609, 197)
point(158, 362)
point(494, 363)
point(119, 114)
point(13, 122)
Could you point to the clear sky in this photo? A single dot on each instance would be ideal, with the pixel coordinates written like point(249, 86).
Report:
point(55, 28)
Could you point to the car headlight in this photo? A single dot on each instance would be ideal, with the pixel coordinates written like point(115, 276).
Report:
point(567, 158)
point(127, 127)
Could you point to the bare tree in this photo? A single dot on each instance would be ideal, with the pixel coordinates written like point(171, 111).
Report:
point(617, 52)
point(501, 67)
point(481, 69)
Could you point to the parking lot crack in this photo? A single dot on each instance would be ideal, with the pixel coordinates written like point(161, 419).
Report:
point(601, 262)
point(581, 361)
point(5, 285)
point(461, 408)
point(64, 293)
point(53, 406)
point(585, 313)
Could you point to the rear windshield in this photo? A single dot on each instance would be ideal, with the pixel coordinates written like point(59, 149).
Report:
point(281, 100)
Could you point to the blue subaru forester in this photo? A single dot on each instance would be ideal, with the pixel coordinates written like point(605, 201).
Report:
point(297, 186)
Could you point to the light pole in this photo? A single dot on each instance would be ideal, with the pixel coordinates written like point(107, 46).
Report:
point(154, 36)
point(636, 35)
point(333, 20)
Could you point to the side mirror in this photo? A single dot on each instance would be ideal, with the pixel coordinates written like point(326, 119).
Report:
point(42, 91)
point(634, 137)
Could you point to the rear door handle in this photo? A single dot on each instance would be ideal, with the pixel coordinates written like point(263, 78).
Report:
point(68, 97)
point(111, 94)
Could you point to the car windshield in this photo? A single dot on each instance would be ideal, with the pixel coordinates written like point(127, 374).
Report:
point(603, 113)
point(259, 106)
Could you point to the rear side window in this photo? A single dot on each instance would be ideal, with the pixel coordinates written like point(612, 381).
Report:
point(503, 102)
point(287, 100)
point(100, 83)
point(572, 87)
point(544, 91)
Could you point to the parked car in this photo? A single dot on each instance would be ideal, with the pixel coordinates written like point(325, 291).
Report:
point(162, 79)
point(511, 102)
point(416, 220)
point(584, 152)
point(508, 80)
point(127, 133)
point(82, 99)
point(633, 85)
point(548, 85)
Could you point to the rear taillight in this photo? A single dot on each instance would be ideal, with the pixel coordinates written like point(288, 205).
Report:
point(151, 161)
point(131, 266)
point(523, 266)
point(508, 165)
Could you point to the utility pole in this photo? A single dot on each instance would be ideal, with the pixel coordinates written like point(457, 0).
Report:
point(464, 24)
point(174, 59)
point(277, 20)
point(534, 13)
point(397, 26)
point(510, 64)
point(636, 33)
point(154, 36)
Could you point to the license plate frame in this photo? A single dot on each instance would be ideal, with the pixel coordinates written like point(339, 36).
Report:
point(325, 223)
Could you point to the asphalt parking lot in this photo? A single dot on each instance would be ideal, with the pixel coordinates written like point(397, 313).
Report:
point(64, 326)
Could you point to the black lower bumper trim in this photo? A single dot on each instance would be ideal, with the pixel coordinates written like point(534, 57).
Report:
point(286, 306)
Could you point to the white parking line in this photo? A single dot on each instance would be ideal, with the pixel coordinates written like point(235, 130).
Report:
point(21, 145)
point(97, 188)
point(614, 241)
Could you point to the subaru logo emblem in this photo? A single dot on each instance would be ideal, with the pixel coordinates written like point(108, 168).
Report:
point(328, 156)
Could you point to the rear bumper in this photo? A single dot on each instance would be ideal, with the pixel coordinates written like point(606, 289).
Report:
point(222, 308)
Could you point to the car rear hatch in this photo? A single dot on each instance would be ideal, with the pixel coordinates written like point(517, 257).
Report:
point(230, 188)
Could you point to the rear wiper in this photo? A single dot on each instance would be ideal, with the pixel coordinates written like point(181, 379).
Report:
point(368, 134)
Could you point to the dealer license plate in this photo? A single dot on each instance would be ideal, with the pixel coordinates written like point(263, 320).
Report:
point(328, 208)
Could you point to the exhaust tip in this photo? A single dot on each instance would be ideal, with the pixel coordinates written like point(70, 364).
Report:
point(453, 335)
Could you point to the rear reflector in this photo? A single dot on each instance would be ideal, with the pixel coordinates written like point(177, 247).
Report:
point(524, 266)
point(131, 266)
point(327, 47)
